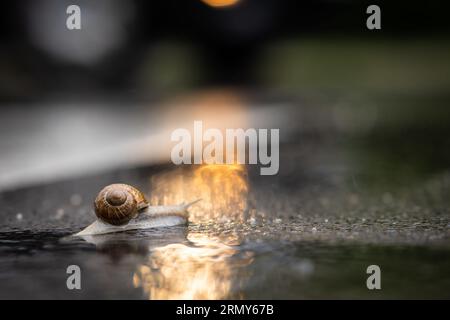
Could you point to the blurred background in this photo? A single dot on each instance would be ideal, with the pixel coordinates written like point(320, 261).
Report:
point(76, 101)
point(364, 124)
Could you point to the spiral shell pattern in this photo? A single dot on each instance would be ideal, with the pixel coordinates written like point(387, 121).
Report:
point(117, 204)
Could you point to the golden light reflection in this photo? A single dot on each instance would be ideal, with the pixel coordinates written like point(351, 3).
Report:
point(220, 3)
point(207, 269)
point(220, 109)
point(223, 189)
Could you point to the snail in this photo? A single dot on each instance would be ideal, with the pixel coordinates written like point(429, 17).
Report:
point(121, 207)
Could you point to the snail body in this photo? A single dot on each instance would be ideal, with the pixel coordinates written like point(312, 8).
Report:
point(120, 207)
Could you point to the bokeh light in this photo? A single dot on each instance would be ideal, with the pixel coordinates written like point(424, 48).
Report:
point(220, 3)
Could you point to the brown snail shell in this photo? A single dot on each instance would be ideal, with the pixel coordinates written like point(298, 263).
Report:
point(118, 203)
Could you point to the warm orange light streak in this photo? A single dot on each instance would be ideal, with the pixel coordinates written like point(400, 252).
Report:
point(208, 269)
point(220, 3)
point(222, 188)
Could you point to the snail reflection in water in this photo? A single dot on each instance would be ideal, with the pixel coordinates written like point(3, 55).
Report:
point(120, 207)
